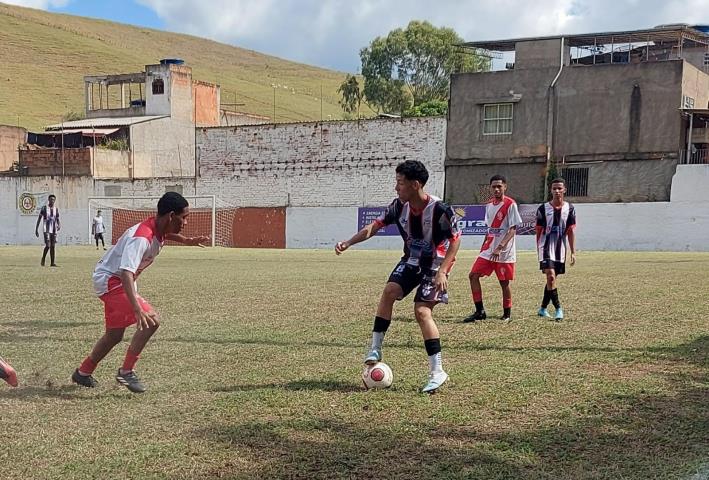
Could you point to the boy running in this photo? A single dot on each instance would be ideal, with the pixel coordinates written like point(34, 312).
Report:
point(556, 220)
point(431, 240)
point(114, 281)
point(498, 253)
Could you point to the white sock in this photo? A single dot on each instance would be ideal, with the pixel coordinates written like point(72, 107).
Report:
point(377, 339)
point(435, 362)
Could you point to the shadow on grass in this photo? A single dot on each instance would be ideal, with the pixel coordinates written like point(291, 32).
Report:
point(629, 436)
point(46, 324)
point(323, 385)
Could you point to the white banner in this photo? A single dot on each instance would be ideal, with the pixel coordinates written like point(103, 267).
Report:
point(30, 203)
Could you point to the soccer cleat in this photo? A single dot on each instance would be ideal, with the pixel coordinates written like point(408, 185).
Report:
point(8, 373)
point(42, 262)
point(506, 318)
point(373, 357)
point(131, 381)
point(83, 380)
point(481, 315)
point(435, 380)
point(559, 314)
point(543, 312)
point(54, 265)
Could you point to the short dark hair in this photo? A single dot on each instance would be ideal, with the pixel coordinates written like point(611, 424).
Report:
point(498, 177)
point(172, 202)
point(413, 170)
point(558, 180)
point(52, 196)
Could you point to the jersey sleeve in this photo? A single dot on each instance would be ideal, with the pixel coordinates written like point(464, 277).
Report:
point(448, 222)
point(571, 219)
point(133, 253)
point(43, 212)
point(541, 224)
point(390, 214)
point(513, 217)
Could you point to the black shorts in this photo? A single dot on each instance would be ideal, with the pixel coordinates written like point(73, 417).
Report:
point(98, 236)
point(50, 239)
point(559, 267)
point(409, 277)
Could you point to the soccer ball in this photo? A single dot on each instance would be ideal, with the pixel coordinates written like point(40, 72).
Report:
point(377, 376)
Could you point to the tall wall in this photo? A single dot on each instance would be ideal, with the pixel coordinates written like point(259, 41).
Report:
point(207, 106)
point(10, 139)
point(317, 164)
point(163, 148)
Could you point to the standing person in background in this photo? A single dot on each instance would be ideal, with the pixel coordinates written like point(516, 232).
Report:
point(97, 229)
point(49, 216)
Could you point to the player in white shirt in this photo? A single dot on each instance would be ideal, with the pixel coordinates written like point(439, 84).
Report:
point(114, 282)
point(498, 253)
point(49, 217)
point(97, 229)
point(556, 221)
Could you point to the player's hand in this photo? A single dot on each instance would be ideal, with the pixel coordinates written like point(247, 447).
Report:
point(441, 281)
point(201, 241)
point(573, 258)
point(36, 233)
point(341, 247)
point(495, 254)
point(146, 319)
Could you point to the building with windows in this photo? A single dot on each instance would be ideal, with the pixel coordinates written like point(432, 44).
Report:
point(613, 113)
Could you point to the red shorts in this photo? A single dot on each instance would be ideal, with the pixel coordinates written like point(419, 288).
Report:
point(118, 310)
point(485, 267)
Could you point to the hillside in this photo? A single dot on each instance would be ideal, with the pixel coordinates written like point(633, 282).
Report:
point(44, 57)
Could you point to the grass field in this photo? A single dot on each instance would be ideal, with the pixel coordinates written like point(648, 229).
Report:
point(44, 57)
point(255, 372)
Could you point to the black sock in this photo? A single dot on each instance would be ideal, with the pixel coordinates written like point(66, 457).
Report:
point(381, 324)
point(433, 346)
point(51, 254)
point(479, 306)
point(506, 312)
point(554, 294)
point(44, 254)
point(547, 297)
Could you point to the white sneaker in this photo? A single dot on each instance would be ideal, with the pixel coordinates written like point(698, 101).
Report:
point(435, 380)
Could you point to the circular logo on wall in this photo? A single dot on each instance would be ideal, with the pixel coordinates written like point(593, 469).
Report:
point(28, 203)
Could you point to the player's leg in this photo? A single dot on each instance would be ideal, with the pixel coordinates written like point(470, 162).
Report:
point(398, 286)
point(84, 374)
point(432, 342)
point(96, 238)
point(505, 274)
point(52, 247)
point(8, 373)
point(554, 293)
point(103, 244)
point(481, 268)
point(548, 287)
point(46, 248)
point(126, 374)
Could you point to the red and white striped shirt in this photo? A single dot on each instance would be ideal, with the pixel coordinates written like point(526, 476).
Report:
point(134, 252)
point(500, 217)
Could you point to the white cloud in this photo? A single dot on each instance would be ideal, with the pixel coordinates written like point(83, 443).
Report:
point(40, 4)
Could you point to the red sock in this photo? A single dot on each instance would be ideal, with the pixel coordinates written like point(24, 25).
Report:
point(130, 361)
point(477, 296)
point(506, 303)
point(88, 366)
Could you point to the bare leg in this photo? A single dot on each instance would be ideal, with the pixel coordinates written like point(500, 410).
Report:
point(105, 344)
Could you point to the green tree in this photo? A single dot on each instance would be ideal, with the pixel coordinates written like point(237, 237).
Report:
point(351, 95)
point(432, 108)
point(412, 66)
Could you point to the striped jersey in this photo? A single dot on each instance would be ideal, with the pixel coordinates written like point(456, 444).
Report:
point(50, 218)
point(553, 224)
point(134, 252)
point(426, 233)
point(500, 218)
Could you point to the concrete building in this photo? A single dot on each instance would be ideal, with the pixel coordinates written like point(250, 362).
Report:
point(149, 118)
point(11, 139)
point(612, 112)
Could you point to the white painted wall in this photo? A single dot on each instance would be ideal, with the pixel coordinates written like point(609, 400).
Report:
point(690, 183)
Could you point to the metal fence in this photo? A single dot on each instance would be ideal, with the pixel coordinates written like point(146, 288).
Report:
point(696, 156)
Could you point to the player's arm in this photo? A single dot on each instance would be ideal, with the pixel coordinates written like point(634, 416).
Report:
point(441, 280)
point(367, 232)
point(200, 241)
point(571, 235)
point(93, 227)
point(143, 319)
point(36, 227)
point(59, 223)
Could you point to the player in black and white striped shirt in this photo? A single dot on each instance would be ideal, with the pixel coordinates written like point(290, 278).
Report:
point(556, 221)
point(49, 216)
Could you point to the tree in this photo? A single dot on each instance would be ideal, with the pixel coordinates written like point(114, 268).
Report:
point(432, 108)
point(413, 66)
point(351, 95)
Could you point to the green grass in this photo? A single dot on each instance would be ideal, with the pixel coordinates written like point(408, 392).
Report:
point(255, 372)
point(44, 57)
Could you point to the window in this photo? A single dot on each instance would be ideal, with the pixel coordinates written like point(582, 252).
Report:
point(576, 181)
point(497, 119)
point(112, 190)
point(173, 188)
point(158, 86)
point(687, 101)
point(706, 59)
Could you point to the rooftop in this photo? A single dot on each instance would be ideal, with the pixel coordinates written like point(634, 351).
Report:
point(103, 122)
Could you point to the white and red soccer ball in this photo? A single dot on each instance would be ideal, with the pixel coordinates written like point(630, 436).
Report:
point(377, 376)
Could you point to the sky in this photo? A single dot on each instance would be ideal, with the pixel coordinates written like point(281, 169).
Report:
point(330, 33)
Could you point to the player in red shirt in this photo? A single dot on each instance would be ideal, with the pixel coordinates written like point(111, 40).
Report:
point(114, 281)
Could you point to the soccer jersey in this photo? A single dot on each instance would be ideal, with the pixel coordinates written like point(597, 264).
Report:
point(500, 218)
point(426, 234)
point(50, 217)
point(553, 225)
point(134, 252)
point(98, 225)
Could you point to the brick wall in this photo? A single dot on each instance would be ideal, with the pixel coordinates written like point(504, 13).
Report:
point(56, 161)
point(317, 164)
